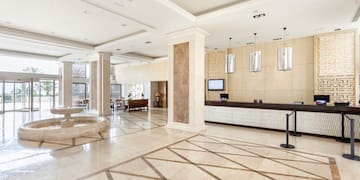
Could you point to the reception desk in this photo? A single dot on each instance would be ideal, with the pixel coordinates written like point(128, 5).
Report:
point(312, 119)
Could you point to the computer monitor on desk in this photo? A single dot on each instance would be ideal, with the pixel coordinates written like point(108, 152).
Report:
point(321, 99)
point(224, 97)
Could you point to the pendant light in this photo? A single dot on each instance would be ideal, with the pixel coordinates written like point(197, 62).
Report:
point(230, 60)
point(284, 55)
point(255, 58)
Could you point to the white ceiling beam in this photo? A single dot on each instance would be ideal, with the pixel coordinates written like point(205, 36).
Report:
point(228, 9)
point(132, 57)
point(178, 9)
point(135, 21)
point(121, 40)
point(27, 55)
point(42, 39)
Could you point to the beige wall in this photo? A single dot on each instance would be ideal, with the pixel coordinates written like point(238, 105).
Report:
point(336, 66)
point(270, 85)
point(157, 71)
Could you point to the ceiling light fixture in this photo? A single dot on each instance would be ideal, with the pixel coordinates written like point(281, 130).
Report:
point(230, 60)
point(118, 49)
point(250, 43)
point(284, 55)
point(255, 58)
point(277, 39)
point(337, 29)
point(148, 42)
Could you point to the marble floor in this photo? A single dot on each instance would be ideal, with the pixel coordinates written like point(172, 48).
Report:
point(138, 146)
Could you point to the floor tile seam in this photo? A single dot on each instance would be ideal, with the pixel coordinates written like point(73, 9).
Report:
point(131, 174)
point(153, 168)
point(194, 164)
point(334, 169)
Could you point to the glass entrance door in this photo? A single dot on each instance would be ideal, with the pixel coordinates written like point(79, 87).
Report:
point(9, 93)
point(22, 96)
point(47, 94)
point(2, 97)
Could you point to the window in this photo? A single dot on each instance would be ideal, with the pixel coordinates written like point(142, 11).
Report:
point(136, 91)
point(28, 65)
point(115, 91)
point(79, 92)
point(79, 70)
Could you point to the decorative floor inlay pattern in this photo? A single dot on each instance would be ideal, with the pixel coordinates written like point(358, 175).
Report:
point(211, 157)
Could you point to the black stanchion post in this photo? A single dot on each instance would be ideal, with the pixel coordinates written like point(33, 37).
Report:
point(352, 141)
point(342, 138)
point(295, 133)
point(287, 145)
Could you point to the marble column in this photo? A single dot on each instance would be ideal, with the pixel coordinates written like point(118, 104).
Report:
point(93, 85)
point(66, 83)
point(186, 80)
point(103, 84)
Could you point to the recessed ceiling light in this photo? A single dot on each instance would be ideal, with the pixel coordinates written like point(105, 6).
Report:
point(337, 29)
point(256, 16)
point(148, 42)
point(277, 39)
point(118, 49)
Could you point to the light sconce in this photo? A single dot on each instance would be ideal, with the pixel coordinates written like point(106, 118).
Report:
point(230, 60)
point(255, 59)
point(284, 56)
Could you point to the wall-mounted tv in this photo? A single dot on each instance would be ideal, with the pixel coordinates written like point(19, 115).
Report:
point(216, 84)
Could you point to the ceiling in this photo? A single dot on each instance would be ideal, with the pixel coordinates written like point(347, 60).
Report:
point(135, 30)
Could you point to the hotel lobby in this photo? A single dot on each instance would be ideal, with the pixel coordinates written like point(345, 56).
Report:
point(179, 89)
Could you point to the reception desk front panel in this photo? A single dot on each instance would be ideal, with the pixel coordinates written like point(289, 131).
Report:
point(320, 123)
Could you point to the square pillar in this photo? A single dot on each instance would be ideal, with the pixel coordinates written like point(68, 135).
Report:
point(66, 84)
point(93, 85)
point(103, 84)
point(186, 80)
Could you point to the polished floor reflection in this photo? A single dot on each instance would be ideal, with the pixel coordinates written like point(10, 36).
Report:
point(138, 146)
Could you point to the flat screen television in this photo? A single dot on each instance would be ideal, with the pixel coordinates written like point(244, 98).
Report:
point(216, 84)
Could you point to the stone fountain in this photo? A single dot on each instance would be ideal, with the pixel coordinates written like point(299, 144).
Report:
point(67, 127)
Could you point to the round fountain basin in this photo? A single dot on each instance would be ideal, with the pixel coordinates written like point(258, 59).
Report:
point(50, 129)
point(66, 110)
